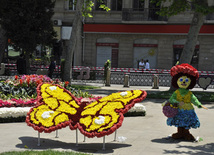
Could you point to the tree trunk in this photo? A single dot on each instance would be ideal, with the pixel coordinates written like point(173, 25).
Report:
point(74, 44)
point(3, 42)
point(189, 47)
point(27, 58)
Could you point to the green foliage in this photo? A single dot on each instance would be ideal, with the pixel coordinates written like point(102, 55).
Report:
point(87, 7)
point(28, 23)
point(12, 119)
point(104, 7)
point(179, 6)
point(11, 89)
point(106, 66)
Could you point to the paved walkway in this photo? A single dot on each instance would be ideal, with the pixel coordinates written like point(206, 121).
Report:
point(145, 134)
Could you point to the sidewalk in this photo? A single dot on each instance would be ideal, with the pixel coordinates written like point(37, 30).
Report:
point(145, 134)
point(106, 90)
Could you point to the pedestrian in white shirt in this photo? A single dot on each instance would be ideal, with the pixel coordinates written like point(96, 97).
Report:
point(141, 64)
point(147, 66)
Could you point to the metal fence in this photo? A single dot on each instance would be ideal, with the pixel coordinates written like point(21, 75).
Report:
point(137, 77)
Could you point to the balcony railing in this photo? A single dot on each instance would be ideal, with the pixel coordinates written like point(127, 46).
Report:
point(129, 14)
point(210, 16)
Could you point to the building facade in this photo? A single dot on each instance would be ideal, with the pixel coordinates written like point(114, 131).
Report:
point(132, 31)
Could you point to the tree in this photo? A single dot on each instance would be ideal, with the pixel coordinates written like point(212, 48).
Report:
point(3, 41)
point(200, 9)
point(83, 9)
point(28, 24)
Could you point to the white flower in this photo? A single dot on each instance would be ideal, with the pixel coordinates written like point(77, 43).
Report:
point(123, 93)
point(121, 139)
point(99, 121)
point(138, 108)
point(46, 114)
point(52, 88)
point(14, 112)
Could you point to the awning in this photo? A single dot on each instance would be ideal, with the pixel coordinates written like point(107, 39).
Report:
point(144, 29)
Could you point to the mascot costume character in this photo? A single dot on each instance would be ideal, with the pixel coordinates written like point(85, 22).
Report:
point(179, 109)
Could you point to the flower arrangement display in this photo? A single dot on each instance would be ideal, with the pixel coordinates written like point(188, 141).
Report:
point(180, 110)
point(169, 110)
point(24, 86)
point(28, 80)
point(14, 112)
point(137, 110)
point(17, 103)
point(57, 108)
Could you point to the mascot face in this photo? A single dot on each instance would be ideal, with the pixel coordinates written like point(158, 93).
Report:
point(183, 82)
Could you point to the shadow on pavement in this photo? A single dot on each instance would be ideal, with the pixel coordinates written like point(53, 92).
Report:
point(198, 149)
point(206, 149)
point(165, 140)
point(31, 143)
point(101, 91)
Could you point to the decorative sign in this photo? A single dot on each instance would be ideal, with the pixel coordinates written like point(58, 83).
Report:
point(204, 82)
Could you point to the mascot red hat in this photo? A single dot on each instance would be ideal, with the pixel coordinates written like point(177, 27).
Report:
point(185, 69)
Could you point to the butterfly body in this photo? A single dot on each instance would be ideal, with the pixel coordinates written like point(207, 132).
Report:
point(57, 108)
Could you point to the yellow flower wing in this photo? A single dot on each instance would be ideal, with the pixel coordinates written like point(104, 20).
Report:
point(104, 116)
point(55, 109)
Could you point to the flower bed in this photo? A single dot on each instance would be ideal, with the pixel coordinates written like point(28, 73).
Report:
point(13, 94)
point(18, 114)
point(17, 103)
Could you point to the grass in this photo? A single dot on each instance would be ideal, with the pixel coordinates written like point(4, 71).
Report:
point(202, 96)
point(47, 152)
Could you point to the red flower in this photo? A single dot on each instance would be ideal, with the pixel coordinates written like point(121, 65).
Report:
point(28, 80)
point(66, 83)
point(16, 77)
point(39, 81)
point(21, 81)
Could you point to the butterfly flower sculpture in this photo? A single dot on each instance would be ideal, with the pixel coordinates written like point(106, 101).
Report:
point(57, 108)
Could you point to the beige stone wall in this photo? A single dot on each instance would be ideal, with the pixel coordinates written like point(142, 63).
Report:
point(206, 55)
point(165, 49)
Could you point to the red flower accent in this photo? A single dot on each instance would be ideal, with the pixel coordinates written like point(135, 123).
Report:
point(16, 77)
point(21, 81)
point(185, 69)
point(66, 83)
point(28, 80)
